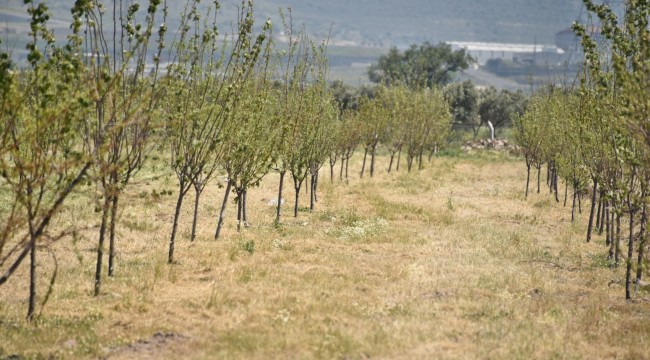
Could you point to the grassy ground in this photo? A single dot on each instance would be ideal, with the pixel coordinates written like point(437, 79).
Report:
point(451, 262)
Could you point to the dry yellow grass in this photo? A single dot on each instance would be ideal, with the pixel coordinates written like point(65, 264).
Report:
point(451, 262)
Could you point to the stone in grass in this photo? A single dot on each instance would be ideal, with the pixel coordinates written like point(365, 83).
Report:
point(274, 202)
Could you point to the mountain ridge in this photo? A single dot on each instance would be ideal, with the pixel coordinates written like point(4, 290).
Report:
point(385, 23)
point(358, 30)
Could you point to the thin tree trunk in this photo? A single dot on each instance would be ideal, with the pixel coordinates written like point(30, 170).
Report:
point(642, 244)
point(363, 165)
point(612, 244)
point(399, 158)
point(347, 164)
point(603, 215)
point(32, 280)
point(100, 246)
point(312, 198)
point(608, 224)
point(573, 206)
point(332, 173)
point(341, 172)
point(617, 254)
point(197, 195)
point(113, 222)
point(177, 213)
point(566, 191)
point(420, 159)
point(548, 175)
point(598, 215)
point(527, 178)
point(390, 165)
point(239, 209)
point(222, 212)
point(372, 160)
point(279, 205)
point(296, 186)
point(244, 212)
point(612, 229)
point(38, 232)
point(630, 254)
point(315, 189)
point(555, 181)
point(592, 212)
point(539, 171)
point(111, 235)
point(630, 245)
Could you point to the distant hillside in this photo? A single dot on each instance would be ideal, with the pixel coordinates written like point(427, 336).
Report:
point(402, 22)
point(366, 27)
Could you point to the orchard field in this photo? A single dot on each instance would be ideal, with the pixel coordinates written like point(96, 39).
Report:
point(449, 262)
point(213, 196)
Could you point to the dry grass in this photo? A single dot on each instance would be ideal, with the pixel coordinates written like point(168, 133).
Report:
point(451, 262)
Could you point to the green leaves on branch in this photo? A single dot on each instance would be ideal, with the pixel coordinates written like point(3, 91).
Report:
point(398, 117)
point(599, 133)
point(42, 159)
point(424, 66)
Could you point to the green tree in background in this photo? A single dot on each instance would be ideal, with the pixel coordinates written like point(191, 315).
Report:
point(419, 66)
point(464, 101)
point(498, 107)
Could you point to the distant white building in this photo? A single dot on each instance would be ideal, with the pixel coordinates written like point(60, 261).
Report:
point(536, 54)
point(568, 41)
